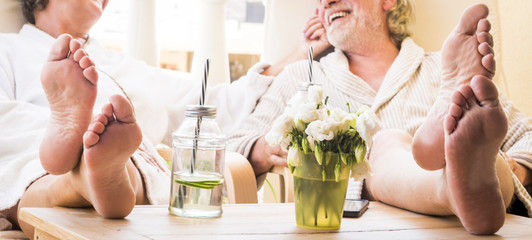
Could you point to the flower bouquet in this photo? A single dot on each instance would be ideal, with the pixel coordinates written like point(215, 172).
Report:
point(324, 149)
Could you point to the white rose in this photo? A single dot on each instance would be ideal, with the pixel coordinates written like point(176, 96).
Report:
point(278, 135)
point(293, 157)
point(341, 118)
point(324, 113)
point(349, 120)
point(359, 171)
point(306, 112)
point(367, 126)
point(315, 94)
point(320, 130)
point(285, 142)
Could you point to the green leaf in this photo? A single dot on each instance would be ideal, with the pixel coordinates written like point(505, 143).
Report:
point(328, 156)
point(360, 152)
point(305, 145)
point(318, 153)
point(343, 157)
point(337, 171)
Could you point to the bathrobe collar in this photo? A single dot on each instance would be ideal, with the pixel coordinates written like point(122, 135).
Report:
point(405, 65)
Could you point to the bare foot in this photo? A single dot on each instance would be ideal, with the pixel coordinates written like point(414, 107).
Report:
point(475, 127)
point(108, 144)
point(467, 52)
point(69, 80)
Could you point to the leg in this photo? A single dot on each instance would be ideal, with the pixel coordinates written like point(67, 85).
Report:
point(69, 81)
point(466, 52)
point(105, 177)
point(475, 185)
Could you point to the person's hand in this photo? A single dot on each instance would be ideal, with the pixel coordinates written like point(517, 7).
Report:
point(314, 35)
point(263, 156)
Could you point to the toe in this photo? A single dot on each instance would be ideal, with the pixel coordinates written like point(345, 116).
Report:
point(449, 124)
point(468, 95)
point(122, 109)
point(60, 49)
point(79, 54)
point(471, 17)
point(459, 99)
point(107, 111)
point(485, 91)
point(90, 139)
point(85, 62)
point(488, 62)
point(75, 45)
point(485, 37)
point(97, 127)
point(101, 118)
point(484, 25)
point(455, 111)
point(485, 49)
point(91, 75)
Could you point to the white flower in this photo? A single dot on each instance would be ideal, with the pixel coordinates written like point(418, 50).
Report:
point(342, 119)
point(320, 130)
point(279, 134)
point(315, 94)
point(367, 126)
point(310, 142)
point(306, 112)
point(359, 171)
point(294, 157)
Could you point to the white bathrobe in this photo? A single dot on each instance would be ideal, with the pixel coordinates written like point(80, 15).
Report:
point(159, 98)
point(408, 91)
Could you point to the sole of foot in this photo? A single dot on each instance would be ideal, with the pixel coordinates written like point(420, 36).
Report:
point(475, 127)
point(467, 52)
point(108, 144)
point(69, 80)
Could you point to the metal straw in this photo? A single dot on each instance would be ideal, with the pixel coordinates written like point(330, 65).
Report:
point(204, 82)
point(198, 123)
point(310, 64)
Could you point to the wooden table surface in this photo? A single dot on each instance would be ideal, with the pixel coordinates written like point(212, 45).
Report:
point(254, 221)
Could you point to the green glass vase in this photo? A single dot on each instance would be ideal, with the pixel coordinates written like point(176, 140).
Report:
point(320, 191)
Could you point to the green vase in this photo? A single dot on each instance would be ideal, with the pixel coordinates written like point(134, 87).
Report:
point(320, 192)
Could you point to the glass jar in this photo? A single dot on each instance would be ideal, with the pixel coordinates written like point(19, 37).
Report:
point(301, 95)
point(198, 152)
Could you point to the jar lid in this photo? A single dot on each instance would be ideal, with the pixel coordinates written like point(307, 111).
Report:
point(303, 86)
point(200, 111)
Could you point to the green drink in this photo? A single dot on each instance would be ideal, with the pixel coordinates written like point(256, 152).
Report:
point(196, 195)
point(197, 165)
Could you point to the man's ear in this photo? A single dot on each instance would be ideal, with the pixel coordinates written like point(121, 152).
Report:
point(387, 5)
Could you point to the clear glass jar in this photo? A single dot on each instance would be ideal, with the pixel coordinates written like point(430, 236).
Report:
point(198, 152)
point(301, 95)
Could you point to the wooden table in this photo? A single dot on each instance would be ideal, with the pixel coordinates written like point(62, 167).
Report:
point(252, 221)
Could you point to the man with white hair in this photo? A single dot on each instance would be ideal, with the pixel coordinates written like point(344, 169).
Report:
point(376, 64)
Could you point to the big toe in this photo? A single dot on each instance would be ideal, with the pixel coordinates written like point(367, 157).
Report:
point(485, 90)
point(123, 111)
point(471, 17)
point(60, 48)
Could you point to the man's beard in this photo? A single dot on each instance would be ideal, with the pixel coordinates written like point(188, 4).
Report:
point(357, 33)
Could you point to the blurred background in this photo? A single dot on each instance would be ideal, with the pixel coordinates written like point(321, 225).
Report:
point(177, 25)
